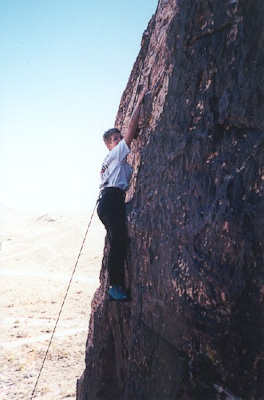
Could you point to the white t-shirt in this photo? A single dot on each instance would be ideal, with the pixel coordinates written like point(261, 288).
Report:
point(116, 172)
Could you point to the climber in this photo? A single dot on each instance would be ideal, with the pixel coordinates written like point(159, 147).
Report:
point(115, 177)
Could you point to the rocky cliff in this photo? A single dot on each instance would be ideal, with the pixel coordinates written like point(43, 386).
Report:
point(194, 329)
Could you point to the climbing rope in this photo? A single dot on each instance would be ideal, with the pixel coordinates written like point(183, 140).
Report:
point(73, 272)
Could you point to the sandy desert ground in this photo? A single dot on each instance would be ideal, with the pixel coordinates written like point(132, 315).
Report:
point(37, 257)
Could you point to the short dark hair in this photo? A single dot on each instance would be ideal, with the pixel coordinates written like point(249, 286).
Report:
point(107, 135)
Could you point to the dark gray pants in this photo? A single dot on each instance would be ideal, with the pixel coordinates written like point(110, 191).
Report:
point(112, 212)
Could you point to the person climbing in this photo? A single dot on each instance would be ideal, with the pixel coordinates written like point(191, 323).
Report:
point(115, 176)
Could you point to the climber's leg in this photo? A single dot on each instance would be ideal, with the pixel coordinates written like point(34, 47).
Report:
point(111, 211)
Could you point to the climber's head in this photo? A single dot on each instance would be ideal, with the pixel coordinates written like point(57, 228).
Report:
point(112, 137)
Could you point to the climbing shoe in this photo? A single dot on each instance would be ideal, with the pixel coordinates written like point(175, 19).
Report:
point(118, 293)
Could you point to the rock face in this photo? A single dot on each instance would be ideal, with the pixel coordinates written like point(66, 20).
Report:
point(194, 329)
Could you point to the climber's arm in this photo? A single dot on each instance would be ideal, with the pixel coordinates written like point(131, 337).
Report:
point(133, 123)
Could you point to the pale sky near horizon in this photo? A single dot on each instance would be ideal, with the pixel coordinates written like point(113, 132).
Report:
point(64, 66)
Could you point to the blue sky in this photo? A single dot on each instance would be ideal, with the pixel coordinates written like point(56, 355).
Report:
point(64, 66)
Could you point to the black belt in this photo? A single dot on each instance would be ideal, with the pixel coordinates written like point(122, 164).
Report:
point(112, 189)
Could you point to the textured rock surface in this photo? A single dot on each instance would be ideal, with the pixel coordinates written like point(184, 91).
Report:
point(194, 329)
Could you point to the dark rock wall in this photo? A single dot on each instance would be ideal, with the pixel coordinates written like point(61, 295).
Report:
point(194, 329)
